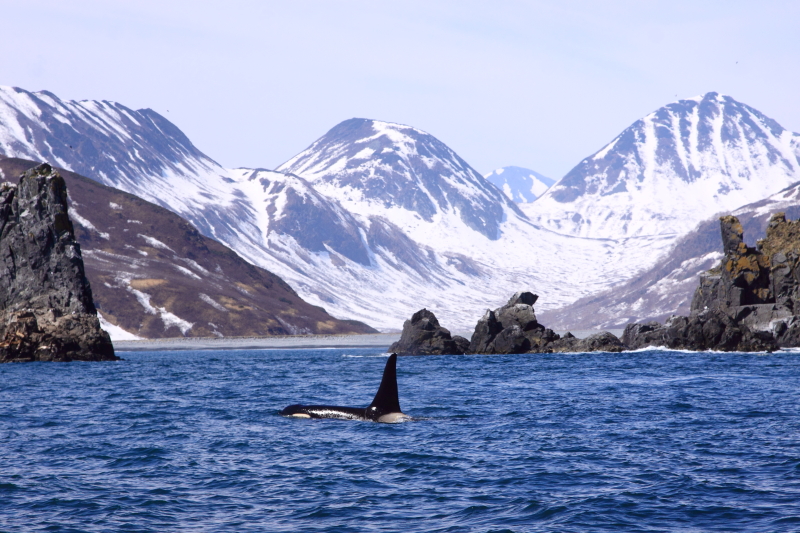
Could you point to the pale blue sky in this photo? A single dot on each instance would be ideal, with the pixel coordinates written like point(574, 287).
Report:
point(533, 84)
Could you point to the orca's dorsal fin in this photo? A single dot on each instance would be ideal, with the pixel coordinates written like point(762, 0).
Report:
point(386, 399)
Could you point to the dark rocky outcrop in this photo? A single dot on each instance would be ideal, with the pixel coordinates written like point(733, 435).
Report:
point(759, 287)
point(749, 302)
point(598, 342)
point(514, 329)
point(711, 329)
point(422, 335)
point(47, 312)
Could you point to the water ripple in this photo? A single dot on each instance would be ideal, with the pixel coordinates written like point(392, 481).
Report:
point(639, 442)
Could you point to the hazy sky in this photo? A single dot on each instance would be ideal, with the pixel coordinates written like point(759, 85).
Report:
point(533, 84)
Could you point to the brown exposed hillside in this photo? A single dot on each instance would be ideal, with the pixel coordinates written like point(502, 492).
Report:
point(154, 275)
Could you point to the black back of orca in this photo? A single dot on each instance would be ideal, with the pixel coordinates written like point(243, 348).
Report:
point(386, 402)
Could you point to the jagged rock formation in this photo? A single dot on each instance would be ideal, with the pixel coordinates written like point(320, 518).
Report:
point(513, 328)
point(422, 335)
point(753, 292)
point(45, 299)
point(759, 286)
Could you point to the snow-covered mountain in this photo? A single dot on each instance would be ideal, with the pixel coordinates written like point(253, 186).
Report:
point(519, 184)
point(402, 174)
point(137, 151)
point(668, 286)
point(672, 169)
point(373, 221)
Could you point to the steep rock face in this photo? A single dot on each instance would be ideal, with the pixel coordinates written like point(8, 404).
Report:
point(46, 301)
point(422, 335)
point(712, 152)
point(391, 165)
point(757, 286)
point(743, 303)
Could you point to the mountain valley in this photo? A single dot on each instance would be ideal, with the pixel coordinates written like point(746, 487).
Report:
point(376, 220)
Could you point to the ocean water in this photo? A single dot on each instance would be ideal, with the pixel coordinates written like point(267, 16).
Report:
point(192, 441)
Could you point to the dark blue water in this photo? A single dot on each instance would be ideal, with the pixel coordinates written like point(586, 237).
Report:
point(192, 441)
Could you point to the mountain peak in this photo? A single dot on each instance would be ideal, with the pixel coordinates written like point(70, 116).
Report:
point(672, 168)
point(387, 169)
point(519, 184)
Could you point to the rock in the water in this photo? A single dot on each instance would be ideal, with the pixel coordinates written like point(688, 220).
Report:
point(422, 335)
point(514, 329)
point(711, 329)
point(598, 342)
point(46, 308)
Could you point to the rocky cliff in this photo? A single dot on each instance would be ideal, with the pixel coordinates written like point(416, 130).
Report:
point(47, 312)
point(757, 286)
point(748, 302)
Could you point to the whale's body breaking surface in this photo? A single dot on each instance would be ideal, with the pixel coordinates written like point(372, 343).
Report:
point(385, 407)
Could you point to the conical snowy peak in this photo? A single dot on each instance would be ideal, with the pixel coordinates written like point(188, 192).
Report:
point(673, 168)
point(519, 184)
point(378, 167)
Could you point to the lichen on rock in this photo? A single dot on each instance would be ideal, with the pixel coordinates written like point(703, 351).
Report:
point(46, 307)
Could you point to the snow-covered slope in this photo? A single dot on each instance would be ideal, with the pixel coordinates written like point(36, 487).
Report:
point(138, 151)
point(671, 170)
point(471, 245)
point(519, 184)
point(373, 221)
point(403, 174)
point(668, 286)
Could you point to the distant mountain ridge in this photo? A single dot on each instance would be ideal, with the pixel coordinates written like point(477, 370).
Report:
point(671, 169)
point(519, 184)
point(374, 220)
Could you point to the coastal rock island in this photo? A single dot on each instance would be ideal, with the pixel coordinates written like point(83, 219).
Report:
point(46, 307)
point(422, 335)
point(510, 329)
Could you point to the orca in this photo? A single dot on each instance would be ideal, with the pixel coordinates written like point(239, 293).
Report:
point(385, 407)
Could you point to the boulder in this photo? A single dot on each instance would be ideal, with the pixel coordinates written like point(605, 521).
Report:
point(422, 335)
point(512, 328)
point(598, 342)
point(46, 307)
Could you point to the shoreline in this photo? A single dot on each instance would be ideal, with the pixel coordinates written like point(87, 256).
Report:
point(285, 342)
point(368, 340)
